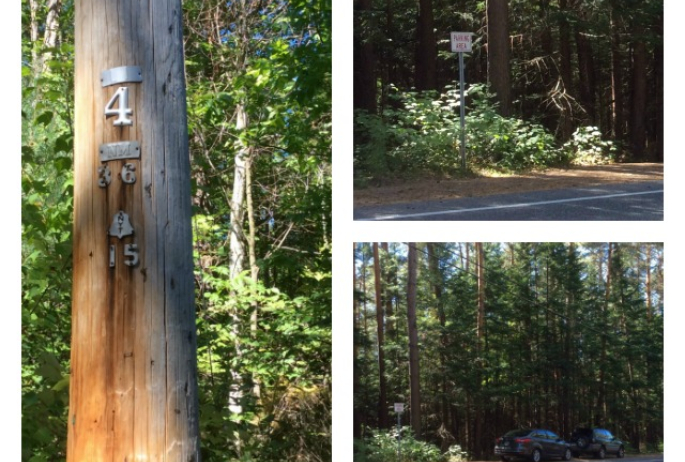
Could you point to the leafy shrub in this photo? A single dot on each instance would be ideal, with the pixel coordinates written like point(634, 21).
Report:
point(587, 147)
point(505, 142)
point(382, 447)
point(421, 132)
point(370, 139)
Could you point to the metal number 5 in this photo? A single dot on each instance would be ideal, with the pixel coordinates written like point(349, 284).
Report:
point(131, 250)
point(123, 111)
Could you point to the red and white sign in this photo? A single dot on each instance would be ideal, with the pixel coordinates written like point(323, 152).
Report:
point(461, 42)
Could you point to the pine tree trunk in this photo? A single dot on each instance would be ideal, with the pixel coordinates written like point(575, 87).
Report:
point(480, 331)
point(638, 127)
point(437, 290)
point(382, 398)
point(617, 105)
point(586, 72)
point(365, 74)
point(426, 52)
point(499, 72)
point(357, 429)
point(415, 392)
point(566, 71)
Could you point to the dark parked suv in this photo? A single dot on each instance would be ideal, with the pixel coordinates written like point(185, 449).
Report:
point(596, 441)
point(532, 444)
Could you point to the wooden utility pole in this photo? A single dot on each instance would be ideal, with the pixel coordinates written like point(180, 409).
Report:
point(133, 389)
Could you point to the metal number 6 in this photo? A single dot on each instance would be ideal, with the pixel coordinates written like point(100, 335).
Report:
point(127, 174)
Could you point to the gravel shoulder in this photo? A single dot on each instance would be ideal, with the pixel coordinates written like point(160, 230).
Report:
point(442, 188)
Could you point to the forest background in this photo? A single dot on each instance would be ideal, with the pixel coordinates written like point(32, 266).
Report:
point(499, 336)
point(548, 83)
point(258, 76)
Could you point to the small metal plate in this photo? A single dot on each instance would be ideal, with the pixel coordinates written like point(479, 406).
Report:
point(120, 75)
point(121, 225)
point(121, 150)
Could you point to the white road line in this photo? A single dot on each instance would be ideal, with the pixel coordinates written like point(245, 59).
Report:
point(509, 206)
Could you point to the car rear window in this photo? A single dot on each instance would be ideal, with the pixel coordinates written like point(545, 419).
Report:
point(518, 433)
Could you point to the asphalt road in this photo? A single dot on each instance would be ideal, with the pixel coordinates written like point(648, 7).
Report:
point(622, 202)
point(628, 458)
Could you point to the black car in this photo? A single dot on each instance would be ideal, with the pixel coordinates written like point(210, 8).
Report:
point(597, 442)
point(532, 444)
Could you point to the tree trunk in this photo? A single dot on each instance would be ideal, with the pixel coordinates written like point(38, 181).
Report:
point(480, 329)
point(657, 154)
point(365, 74)
point(357, 429)
point(389, 322)
point(382, 399)
point(437, 290)
point(648, 282)
point(617, 106)
point(415, 392)
point(426, 51)
point(133, 389)
point(237, 246)
point(586, 71)
point(52, 23)
point(638, 127)
point(566, 71)
point(254, 269)
point(237, 259)
point(499, 72)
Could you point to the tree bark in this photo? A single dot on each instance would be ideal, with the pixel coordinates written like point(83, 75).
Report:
point(565, 69)
point(389, 322)
point(426, 51)
point(586, 72)
point(437, 290)
point(382, 398)
point(499, 72)
point(638, 127)
point(480, 331)
point(617, 106)
point(133, 388)
point(357, 429)
point(365, 74)
point(415, 392)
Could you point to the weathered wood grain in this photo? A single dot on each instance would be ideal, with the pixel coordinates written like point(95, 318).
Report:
point(133, 393)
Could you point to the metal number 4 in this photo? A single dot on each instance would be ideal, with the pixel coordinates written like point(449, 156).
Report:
point(123, 111)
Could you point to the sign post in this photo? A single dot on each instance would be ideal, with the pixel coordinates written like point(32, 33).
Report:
point(399, 409)
point(461, 43)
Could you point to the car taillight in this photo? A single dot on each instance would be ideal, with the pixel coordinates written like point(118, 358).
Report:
point(498, 440)
point(522, 440)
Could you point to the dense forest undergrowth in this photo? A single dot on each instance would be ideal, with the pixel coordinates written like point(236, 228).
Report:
point(549, 83)
point(258, 77)
point(479, 339)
